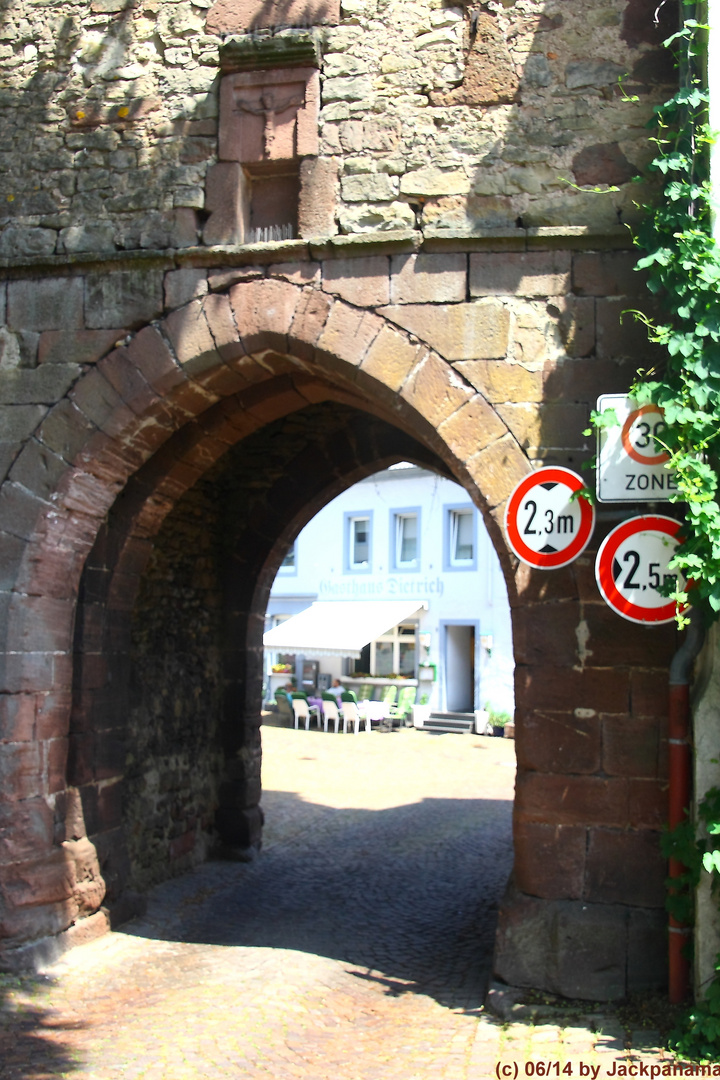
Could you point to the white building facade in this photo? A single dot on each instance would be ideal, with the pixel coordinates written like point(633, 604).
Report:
point(406, 534)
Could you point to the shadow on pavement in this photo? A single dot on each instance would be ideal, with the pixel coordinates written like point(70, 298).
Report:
point(30, 1046)
point(408, 895)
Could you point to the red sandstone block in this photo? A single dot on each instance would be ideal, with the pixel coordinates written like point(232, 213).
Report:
point(53, 713)
point(45, 880)
point(617, 642)
point(26, 672)
point(554, 742)
point(363, 281)
point(621, 335)
point(191, 339)
point(630, 746)
point(56, 765)
point(40, 623)
point(17, 717)
point(36, 920)
point(271, 407)
point(428, 278)
point(498, 468)
point(348, 334)
point(102, 405)
point(606, 273)
point(238, 16)
point(221, 381)
point(550, 860)
point(473, 427)
point(534, 273)
point(45, 304)
point(547, 633)
point(183, 285)
point(434, 390)
point(566, 689)
point(624, 867)
point(88, 494)
point(571, 800)
point(75, 346)
point(149, 351)
point(649, 693)
point(125, 377)
point(647, 801)
point(20, 511)
point(134, 555)
point(576, 321)
point(222, 326)
point(309, 320)
point(264, 310)
point(189, 399)
point(25, 829)
point(533, 585)
point(38, 469)
point(66, 430)
point(584, 380)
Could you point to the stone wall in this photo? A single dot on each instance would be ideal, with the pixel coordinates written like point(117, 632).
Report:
point(467, 322)
point(176, 684)
point(109, 113)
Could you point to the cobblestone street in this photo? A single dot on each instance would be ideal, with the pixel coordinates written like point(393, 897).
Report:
point(356, 946)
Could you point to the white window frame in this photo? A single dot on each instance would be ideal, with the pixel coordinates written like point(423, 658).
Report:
point(352, 567)
point(452, 517)
point(396, 538)
point(395, 636)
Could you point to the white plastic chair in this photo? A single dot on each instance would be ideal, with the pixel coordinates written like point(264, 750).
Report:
point(303, 711)
point(351, 714)
point(330, 711)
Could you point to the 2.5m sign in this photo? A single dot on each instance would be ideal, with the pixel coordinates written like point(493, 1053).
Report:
point(631, 463)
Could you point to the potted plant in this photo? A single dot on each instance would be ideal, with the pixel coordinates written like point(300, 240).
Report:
point(421, 712)
point(497, 718)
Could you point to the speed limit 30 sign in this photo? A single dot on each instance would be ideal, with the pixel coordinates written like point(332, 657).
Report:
point(631, 466)
point(632, 565)
point(545, 524)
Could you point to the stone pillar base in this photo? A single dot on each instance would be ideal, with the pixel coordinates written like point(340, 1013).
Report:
point(597, 952)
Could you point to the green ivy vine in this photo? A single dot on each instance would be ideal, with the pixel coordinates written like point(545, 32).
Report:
point(682, 262)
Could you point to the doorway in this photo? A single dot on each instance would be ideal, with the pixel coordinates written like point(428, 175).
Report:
point(460, 667)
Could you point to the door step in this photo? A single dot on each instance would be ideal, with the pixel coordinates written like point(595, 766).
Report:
point(450, 723)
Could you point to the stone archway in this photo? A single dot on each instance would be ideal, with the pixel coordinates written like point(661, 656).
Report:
point(112, 459)
point(134, 433)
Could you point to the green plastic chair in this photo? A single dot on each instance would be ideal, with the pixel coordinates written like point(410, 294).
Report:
point(284, 707)
point(405, 702)
point(389, 694)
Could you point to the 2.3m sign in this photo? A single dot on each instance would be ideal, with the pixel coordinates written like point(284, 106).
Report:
point(631, 466)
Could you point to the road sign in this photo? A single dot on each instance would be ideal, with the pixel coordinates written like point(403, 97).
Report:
point(543, 526)
point(633, 562)
point(630, 465)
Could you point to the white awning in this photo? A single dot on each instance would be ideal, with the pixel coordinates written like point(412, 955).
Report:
point(339, 627)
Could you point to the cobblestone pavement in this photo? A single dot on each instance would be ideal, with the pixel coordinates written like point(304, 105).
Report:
point(355, 947)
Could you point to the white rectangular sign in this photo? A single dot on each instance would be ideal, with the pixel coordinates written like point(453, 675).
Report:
point(630, 463)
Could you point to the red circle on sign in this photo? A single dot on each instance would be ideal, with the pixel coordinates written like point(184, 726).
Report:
point(656, 459)
point(549, 560)
point(604, 568)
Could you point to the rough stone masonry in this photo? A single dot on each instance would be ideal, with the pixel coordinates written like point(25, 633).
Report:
point(252, 252)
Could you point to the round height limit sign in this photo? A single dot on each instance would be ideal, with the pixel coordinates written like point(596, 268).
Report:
point(632, 565)
point(545, 524)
